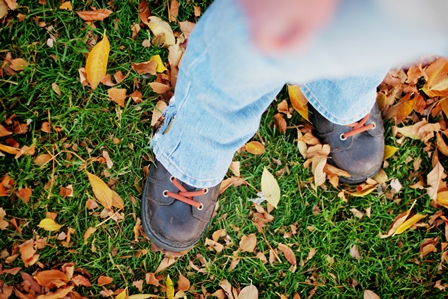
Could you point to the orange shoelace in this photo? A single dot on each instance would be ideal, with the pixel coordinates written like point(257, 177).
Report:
point(358, 127)
point(185, 196)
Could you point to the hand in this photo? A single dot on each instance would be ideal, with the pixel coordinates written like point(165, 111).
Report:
point(280, 26)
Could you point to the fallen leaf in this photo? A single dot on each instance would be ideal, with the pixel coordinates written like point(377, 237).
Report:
point(88, 233)
point(157, 112)
point(389, 151)
point(162, 29)
point(441, 145)
point(142, 296)
point(3, 9)
point(158, 87)
point(354, 252)
point(135, 30)
point(358, 214)
point(96, 64)
point(80, 280)
point(160, 66)
point(437, 82)
point(370, 295)
point(395, 185)
point(409, 223)
point(289, 254)
point(66, 6)
point(255, 148)
point(248, 243)
point(183, 284)
point(169, 288)
point(117, 95)
point(165, 263)
point(25, 194)
point(60, 293)
point(149, 67)
point(434, 179)
point(249, 292)
point(280, 123)
point(94, 15)
point(117, 201)
point(49, 225)
point(298, 101)
point(102, 192)
point(363, 192)
point(104, 280)
point(174, 10)
point(428, 246)
point(151, 279)
point(12, 4)
point(9, 149)
point(317, 168)
point(270, 188)
point(187, 28)
point(51, 278)
point(143, 11)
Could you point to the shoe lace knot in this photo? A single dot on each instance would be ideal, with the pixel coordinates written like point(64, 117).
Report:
point(184, 195)
point(358, 127)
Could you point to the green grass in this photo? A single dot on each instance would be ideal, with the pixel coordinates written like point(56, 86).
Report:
point(88, 123)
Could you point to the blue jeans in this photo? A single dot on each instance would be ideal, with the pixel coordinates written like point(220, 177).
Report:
point(225, 83)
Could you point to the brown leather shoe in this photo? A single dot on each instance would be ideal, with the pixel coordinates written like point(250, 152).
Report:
point(174, 214)
point(356, 148)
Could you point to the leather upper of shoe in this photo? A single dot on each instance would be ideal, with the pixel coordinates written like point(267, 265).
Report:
point(361, 155)
point(171, 223)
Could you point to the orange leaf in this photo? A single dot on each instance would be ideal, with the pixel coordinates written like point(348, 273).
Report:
point(80, 280)
point(42, 159)
point(117, 95)
point(51, 278)
point(159, 88)
point(3, 9)
point(298, 101)
point(96, 64)
point(148, 67)
point(4, 132)
point(103, 280)
point(255, 148)
point(183, 284)
point(437, 83)
point(280, 123)
point(102, 192)
point(401, 110)
point(143, 11)
point(60, 293)
point(441, 145)
point(12, 4)
point(25, 194)
point(67, 6)
point(88, 233)
point(19, 64)
point(9, 149)
point(94, 15)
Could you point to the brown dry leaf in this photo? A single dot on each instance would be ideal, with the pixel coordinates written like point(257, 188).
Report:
point(255, 148)
point(197, 11)
point(158, 87)
point(358, 214)
point(109, 162)
point(317, 168)
point(249, 292)
point(354, 252)
point(117, 201)
point(151, 279)
point(165, 263)
point(104, 280)
point(83, 76)
point(280, 123)
point(134, 29)
point(117, 95)
point(18, 64)
point(441, 145)
point(434, 180)
point(409, 223)
point(3, 9)
point(102, 192)
point(4, 132)
point(25, 194)
point(144, 12)
point(148, 67)
point(80, 280)
point(49, 225)
point(162, 29)
point(45, 127)
point(51, 278)
point(9, 149)
point(227, 287)
point(27, 253)
point(289, 254)
point(401, 110)
point(420, 131)
point(94, 15)
point(88, 233)
point(232, 181)
point(12, 4)
point(60, 293)
point(136, 96)
point(370, 295)
point(186, 28)
point(437, 83)
point(298, 101)
point(91, 204)
point(428, 246)
point(107, 80)
point(183, 284)
point(396, 223)
point(157, 112)
point(248, 243)
point(66, 6)
point(218, 247)
point(174, 11)
point(96, 64)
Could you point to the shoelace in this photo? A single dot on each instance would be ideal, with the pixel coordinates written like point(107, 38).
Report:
point(185, 196)
point(358, 127)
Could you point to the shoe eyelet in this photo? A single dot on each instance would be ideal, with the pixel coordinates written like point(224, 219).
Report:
point(342, 137)
point(165, 193)
point(201, 207)
point(171, 178)
point(374, 125)
point(205, 190)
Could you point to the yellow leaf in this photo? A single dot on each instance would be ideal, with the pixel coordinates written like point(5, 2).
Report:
point(116, 200)
point(298, 101)
point(102, 192)
point(160, 27)
point(270, 188)
point(255, 148)
point(160, 66)
point(408, 223)
point(96, 64)
point(67, 6)
point(122, 295)
point(389, 151)
point(169, 288)
point(363, 192)
point(49, 225)
point(442, 198)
